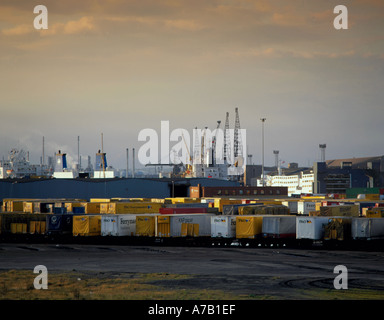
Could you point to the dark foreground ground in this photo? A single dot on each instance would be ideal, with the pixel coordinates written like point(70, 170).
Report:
point(232, 273)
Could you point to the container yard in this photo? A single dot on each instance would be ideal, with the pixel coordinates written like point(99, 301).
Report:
point(229, 220)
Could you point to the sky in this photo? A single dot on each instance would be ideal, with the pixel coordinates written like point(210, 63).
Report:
point(116, 67)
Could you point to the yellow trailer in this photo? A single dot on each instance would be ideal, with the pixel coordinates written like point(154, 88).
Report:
point(340, 211)
point(249, 227)
point(134, 207)
point(86, 225)
point(146, 225)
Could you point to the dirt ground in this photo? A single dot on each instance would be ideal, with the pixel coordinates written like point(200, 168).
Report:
point(215, 273)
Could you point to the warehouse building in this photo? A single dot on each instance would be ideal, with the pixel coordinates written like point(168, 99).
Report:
point(336, 176)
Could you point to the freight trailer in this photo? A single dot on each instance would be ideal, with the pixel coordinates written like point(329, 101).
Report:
point(367, 228)
point(264, 210)
point(183, 210)
point(375, 212)
point(118, 225)
point(23, 223)
point(292, 206)
point(310, 228)
point(134, 207)
point(249, 227)
point(304, 207)
point(279, 227)
point(233, 209)
point(340, 211)
point(86, 225)
point(338, 228)
point(183, 225)
point(59, 224)
point(223, 226)
point(145, 225)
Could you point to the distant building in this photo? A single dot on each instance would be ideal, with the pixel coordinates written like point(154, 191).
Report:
point(297, 180)
point(336, 176)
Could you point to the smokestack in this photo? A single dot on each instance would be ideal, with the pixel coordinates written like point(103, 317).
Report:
point(126, 175)
point(43, 154)
point(78, 153)
point(133, 162)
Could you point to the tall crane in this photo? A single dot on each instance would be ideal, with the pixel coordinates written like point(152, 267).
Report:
point(214, 144)
point(237, 148)
point(227, 139)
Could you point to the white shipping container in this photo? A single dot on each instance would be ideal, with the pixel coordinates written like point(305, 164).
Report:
point(304, 207)
point(292, 205)
point(177, 220)
point(279, 226)
point(367, 228)
point(310, 227)
point(118, 225)
point(223, 226)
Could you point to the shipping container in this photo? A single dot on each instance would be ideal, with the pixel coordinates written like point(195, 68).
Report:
point(303, 207)
point(70, 205)
point(220, 202)
point(145, 225)
point(134, 207)
point(354, 192)
point(118, 225)
point(375, 212)
point(338, 228)
point(91, 207)
point(340, 211)
point(34, 223)
point(249, 227)
point(292, 206)
point(58, 210)
point(13, 205)
point(43, 206)
point(187, 205)
point(233, 209)
point(17, 228)
point(311, 228)
point(78, 210)
point(183, 225)
point(223, 226)
point(37, 227)
point(368, 228)
point(264, 210)
point(60, 224)
point(86, 225)
point(100, 200)
point(28, 207)
point(279, 226)
point(182, 210)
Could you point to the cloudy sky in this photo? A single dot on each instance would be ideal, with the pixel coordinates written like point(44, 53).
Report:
point(119, 66)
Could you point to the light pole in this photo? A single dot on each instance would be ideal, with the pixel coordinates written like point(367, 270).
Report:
point(262, 149)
